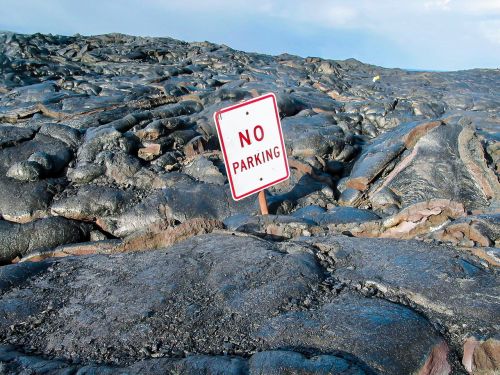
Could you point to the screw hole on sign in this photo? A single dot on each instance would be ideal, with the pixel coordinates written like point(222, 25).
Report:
point(247, 113)
point(261, 178)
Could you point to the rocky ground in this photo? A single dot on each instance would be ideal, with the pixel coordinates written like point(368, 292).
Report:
point(122, 250)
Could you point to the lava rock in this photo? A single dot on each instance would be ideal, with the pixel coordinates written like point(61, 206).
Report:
point(446, 285)
point(17, 240)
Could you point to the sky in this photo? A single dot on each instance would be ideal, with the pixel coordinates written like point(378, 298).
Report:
point(424, 35)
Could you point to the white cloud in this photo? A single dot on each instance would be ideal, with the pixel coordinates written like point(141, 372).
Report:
point(438, 4)
point(480, 7)
point(359, 14)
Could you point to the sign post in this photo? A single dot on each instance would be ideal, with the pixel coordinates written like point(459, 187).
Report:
point(263, 203)
point(252, 144)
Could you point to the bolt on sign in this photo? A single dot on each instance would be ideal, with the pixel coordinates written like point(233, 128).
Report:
point(252, 144)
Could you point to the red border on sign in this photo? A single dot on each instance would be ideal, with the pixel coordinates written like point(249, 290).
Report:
point(278, 123)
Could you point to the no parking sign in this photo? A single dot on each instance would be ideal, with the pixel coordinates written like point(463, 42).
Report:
point(252, 144)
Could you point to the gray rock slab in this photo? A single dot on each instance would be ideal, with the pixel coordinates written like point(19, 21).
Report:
point(182, 201)
point(454, 290)
point(195, 297)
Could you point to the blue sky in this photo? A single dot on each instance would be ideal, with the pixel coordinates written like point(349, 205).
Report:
point(426, 34)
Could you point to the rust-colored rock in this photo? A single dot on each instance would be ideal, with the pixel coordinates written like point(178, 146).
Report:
point(150, 152)
point(488, 254)
point(472, 155)
point(412, 222)
point(479, 230)
point(421, 218)
point(418, 131)
point(481, 357)
point(379, 155)
point(87, 248)
point(437, 362)
point(157, 237)
point(304, 168)
point(195, 146)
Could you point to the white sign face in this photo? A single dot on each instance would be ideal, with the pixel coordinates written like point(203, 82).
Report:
point(252, 144)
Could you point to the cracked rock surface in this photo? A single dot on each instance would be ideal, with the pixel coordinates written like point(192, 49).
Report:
point(122, 250)
point(216, 294)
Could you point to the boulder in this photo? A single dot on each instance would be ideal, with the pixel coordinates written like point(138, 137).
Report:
point(17, 240)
